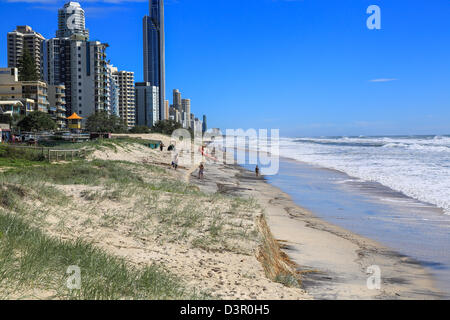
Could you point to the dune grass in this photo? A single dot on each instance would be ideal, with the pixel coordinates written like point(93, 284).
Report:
point(145, 199)
point(10, 153)
point(30, 259)
point(98, 144)
point(98, 173)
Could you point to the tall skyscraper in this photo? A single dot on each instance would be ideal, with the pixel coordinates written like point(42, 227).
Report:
point(71, 21)
point(177, 100)
point(113, 89)
point(24, 38)
point(204, 124)
point(154, 50)
point(186, 103)
point(166, 109)
point(147, 104)
point(79, 64)
point(127, 102)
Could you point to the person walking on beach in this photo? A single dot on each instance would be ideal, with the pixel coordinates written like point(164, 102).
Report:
point(201, 168)
point(161, 146)
point(175, 162)
point(257, 171)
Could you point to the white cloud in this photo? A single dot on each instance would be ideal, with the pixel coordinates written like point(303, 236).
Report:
point(384, 80)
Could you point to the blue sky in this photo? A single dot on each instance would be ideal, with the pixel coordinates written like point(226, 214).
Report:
point(306, 67)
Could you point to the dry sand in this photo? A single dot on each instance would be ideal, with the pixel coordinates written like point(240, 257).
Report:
point(333, 260)
point(126, 227)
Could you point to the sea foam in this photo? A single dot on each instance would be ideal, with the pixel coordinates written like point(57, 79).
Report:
point(418, 166)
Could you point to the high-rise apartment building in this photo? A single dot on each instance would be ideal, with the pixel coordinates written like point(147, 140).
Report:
point(147, 104)
point(57, 104)
point(186, 110)
point(154, 50)
point(56, 65)
point(166, 109)
point(113, 89)
point(192, 120)
point(21, 39)
point(71, 21)
point(204, 125)
point(127, 104)
point(177, 100)
point(81, 66)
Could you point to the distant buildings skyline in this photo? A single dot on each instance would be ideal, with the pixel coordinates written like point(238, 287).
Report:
point(80, 78)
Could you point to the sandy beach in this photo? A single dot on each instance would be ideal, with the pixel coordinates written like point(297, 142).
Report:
point(142, 211)
point(229, 236)
point(332, 260)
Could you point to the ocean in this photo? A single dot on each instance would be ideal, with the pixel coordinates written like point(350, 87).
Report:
point(417, 166)
point(395, 190)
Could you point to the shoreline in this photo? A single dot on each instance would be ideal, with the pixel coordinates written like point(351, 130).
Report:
point(230, 236)
point(333, 260)
point(326, 169)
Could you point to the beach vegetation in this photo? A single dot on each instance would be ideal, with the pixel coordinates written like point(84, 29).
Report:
point(140, 129)
point(104, 122)
point(31, 259)
point(166, 127)
point(37, 121)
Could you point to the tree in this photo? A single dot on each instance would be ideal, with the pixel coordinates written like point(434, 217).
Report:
point(5, 118)
point(104, 122)
point(27, 67)
point(140, 129)
point(15, 120)
point(166, 126)
point(37, 121)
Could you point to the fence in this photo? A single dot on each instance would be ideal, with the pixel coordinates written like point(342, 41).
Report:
point(54, 154)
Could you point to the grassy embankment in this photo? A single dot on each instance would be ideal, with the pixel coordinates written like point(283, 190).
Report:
point(31, 259)
point(36, 211)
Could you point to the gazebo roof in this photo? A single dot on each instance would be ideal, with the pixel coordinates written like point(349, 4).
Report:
point(74, 116)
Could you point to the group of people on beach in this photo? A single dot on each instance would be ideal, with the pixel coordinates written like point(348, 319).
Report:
point(201, 167)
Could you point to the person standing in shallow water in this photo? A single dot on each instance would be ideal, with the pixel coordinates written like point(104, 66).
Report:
point(257, 171)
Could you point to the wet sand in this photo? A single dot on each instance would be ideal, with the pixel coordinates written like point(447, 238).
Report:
point(413, 228)
point(334, 260)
